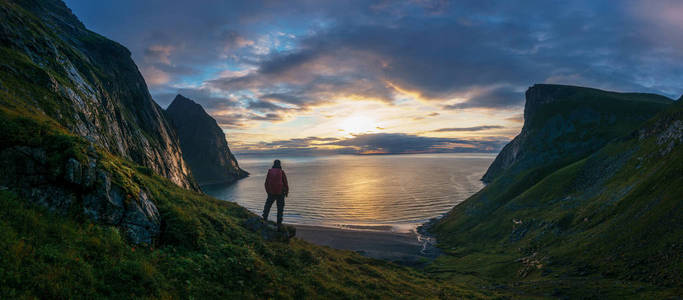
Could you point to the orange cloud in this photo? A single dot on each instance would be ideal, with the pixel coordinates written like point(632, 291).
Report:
point(154, 76)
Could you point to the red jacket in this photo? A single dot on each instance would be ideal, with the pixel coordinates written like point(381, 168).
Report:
point(276, 182)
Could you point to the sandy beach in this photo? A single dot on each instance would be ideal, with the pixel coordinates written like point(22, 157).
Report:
point(405, 248)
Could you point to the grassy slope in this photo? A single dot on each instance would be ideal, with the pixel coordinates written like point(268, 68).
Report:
point(607, 224)
point(203, 250)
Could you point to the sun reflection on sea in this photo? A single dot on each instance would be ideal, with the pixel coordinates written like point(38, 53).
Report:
point(363, 192)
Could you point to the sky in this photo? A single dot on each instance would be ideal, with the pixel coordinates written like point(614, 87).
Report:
point(366, 77)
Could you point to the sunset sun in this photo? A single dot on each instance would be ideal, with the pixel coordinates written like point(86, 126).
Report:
point(358, 124)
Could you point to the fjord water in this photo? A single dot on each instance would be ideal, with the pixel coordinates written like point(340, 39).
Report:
point(382, 192)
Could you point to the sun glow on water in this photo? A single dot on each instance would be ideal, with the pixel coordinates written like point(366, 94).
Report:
point(350, 190)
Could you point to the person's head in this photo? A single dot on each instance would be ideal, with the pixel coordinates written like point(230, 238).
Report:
point(276, 164)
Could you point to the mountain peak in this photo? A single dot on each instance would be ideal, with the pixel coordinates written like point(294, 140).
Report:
point(203, 143)
point(184, 103)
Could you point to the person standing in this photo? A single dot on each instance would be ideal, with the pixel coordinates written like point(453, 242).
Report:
point(277, 189)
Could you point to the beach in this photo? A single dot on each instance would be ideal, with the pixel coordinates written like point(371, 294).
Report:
point(407, 248)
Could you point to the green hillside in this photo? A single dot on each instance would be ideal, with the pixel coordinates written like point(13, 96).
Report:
point(203, 251)
point(605, 224)
point(90, 196)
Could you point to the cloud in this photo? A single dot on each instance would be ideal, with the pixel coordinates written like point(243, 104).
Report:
point(155, 76)
point(300, 142)
point(286, 98)
point(504, 97)
point(429, 115)
point(159, 54)
point(231, 120)
point(266, 117)
point(262, 105)
point(242, 120)
point(296, 146)
point(518, 118)
point(233, 40)
point(396, 143)
point(474, 128)
point(309, 81)
point(375, 143)
point(460, 55)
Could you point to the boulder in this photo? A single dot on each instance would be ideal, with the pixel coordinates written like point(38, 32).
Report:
point(268, 230)
point(80, 186)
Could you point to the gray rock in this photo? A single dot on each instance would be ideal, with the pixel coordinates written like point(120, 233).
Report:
point(670, 137)
point(141, 220)
point(268, 230)
point(73, 171)
point(89, 173)
point(26, 172)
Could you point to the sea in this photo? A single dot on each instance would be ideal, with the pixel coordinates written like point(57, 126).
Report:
point(363, 192)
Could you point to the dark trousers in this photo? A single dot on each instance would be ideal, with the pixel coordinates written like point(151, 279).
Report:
point(280, 207)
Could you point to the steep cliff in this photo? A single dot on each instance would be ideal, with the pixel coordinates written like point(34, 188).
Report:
point(563, 213)
point(67, 174)
point(564, 123)
point(203, 143)
point(52, 66)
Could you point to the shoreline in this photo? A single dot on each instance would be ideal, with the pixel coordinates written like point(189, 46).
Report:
point(407, 248)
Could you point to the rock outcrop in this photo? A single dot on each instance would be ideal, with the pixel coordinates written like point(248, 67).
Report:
point(84, 186)
point(563, 123)
point(203, 143)
point(52, 65)
point(268, 230)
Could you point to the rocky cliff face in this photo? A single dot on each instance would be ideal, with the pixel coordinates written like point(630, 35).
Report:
point(203, 143)
point(51, 65)
point(563, 123)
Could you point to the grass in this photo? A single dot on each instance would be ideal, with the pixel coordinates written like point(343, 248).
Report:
point(203, 250)
point(608, 223)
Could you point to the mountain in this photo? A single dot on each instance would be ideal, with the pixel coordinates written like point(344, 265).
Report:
point(203, 143)
point(51, 66)
point(564, 217)
point(564, 123)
